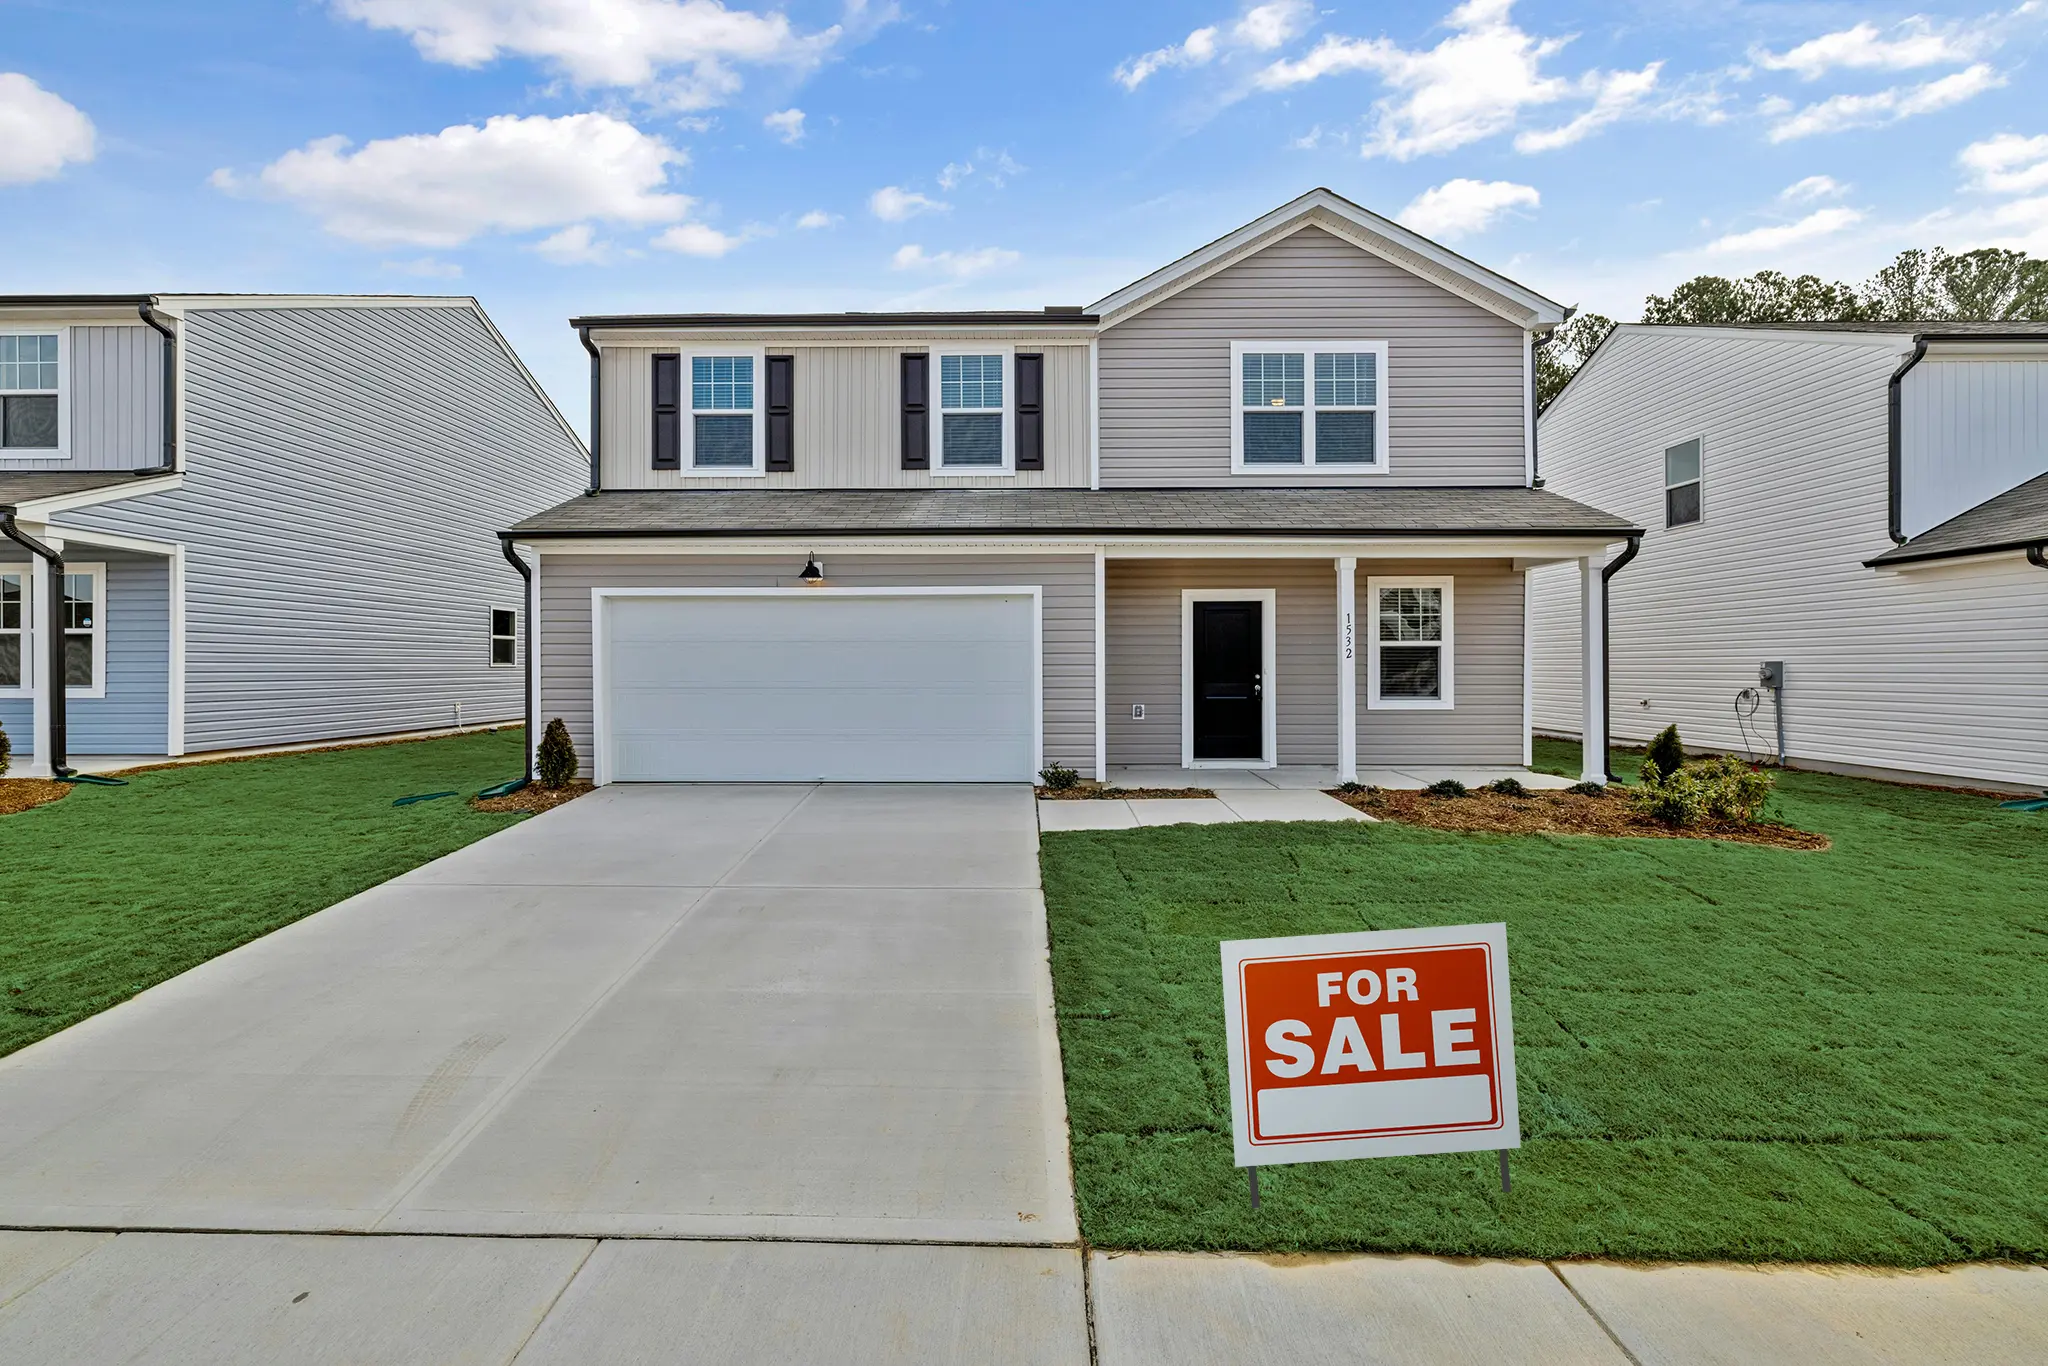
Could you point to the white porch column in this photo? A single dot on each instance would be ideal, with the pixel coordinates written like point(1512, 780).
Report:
point(1347, 670)
point(1101, 667)
point(1593, 692)
point(35, 649)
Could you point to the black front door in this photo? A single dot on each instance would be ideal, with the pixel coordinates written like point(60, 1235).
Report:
point(1229, 719)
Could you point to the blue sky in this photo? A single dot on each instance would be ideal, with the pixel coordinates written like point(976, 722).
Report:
point(561, 156)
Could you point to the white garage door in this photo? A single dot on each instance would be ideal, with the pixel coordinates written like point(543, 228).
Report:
point(821, 684)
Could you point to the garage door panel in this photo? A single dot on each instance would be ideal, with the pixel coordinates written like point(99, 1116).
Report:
point(874, 689)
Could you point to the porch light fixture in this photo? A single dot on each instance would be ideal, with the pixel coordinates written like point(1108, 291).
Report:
point(813, 573)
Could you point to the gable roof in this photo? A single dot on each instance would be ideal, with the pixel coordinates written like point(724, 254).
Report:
point(2014, 520)
point(1362, 228)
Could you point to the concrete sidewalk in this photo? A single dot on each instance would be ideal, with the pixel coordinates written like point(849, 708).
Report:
point(299, 1300)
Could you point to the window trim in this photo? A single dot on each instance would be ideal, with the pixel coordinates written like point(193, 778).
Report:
point(936, 409)
point(25, 571)
point(62, 450)
point(1382, 427)
point(35, 646)
point(1447, 647)
point(686, 443)
point(1700, 481)
point(491, 637)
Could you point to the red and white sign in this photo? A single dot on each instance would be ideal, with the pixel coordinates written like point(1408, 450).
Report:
point(1382, 1043)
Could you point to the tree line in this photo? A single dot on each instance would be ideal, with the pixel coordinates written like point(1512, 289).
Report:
point(1990, 284)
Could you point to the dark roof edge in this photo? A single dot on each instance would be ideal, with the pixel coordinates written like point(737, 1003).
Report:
point(1012, 318)
point(1612, 533)
point(74, 300)
point(1905, 555)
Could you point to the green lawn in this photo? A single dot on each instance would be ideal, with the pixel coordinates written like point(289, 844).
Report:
point(1724, 1050)
point(114, 889)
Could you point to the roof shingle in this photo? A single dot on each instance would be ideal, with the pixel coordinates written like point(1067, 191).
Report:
point(2013, 520)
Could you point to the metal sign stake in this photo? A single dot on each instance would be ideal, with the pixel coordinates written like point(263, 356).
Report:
point(1503, 1171)
point(1253, 1172)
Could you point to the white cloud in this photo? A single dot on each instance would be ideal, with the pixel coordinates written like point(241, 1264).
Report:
point(2007, 163)
point(1259, 28)
point(1882, 107)
point(683, 50)
point(575, 245)
point(698, 239)
point(1916, 42)
point(424, 267)
point(787, 125)
point(1472, 85)
point(1819, 223)
point(1459, 208)
point(894, 204)
point(511, 175)
point(958, 264)
point(40, 133)
point(1812, 188)
point(997, 168)
point(818, 218)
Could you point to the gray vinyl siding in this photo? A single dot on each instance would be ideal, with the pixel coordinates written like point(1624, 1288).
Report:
point(1145, 634)
point(1455, 372)
point(113, 381)
point(1934, 671)
point(848, 422)
point(133, 716)
point(1068, 623)
point(346, 470)
point(1970, 428)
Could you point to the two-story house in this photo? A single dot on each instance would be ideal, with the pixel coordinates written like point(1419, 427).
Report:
point(235, 521)
point(1863, 506)
point(1269, 506)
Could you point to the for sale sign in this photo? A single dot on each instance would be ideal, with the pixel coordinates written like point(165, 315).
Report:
point(1375, 1044)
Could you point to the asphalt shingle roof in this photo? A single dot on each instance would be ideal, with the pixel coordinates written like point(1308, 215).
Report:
point(939, 512)
point(2013, 520)
point(22, 486)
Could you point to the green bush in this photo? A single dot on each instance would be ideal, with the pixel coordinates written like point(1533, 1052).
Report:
point(1587, 790)
point(1446, 787)
point(1665, 752)
point(6, 751)
point(1058, 777)
point(1723, 789)
point(1507, 787)
point(555, 764)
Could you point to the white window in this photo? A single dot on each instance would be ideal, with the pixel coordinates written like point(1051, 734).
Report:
point(1408, 643)
point(14, 587)
point(31, 383)
point(504, 637)
point(1308, 405)
point(725, 426)
point(1682, 483)
point(971, 420)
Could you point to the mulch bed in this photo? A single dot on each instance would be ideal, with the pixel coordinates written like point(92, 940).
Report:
point(1561, 813)
point(19, 794)
point(1089, 792)
point(533, 798)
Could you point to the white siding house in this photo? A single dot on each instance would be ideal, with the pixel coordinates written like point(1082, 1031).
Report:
point(1932, 662)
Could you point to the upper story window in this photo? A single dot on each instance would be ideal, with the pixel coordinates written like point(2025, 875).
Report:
point(722, 412)
point(1682, 483)
point(29, 383)
point(1308, 405)
point(504, 637)
point(973, 433)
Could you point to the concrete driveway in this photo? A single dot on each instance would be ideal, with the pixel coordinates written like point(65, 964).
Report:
point(803, 1012)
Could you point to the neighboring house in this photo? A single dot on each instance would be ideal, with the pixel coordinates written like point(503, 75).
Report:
point(1865, 504)
point(275, 517)
point(1269, 505)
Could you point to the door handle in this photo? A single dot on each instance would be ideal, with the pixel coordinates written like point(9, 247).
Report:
point(1258, 688)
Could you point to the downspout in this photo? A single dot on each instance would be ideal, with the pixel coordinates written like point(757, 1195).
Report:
point(1613, 567)
point(2037, 555)
point(1535, 456)
point(53, 634)
point(519, 563)
point(596, 413)
point(170, 381)
point(1895, 508)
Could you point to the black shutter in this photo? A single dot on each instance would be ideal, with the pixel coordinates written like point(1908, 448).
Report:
point(1030, 412)
point(917, 423)
point(668, 421)
point(781, 414)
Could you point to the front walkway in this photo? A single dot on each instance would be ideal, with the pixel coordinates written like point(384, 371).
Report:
point(1308, 777)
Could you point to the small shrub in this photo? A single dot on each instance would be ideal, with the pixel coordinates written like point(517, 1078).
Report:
point(1723, 789)
point(555, 763)
point(1587, 790)
point(1059, 778)
point(6, 751)
point(1355, 789)
point(1666, 752)
point(1507, 787)
point(1447, 787)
